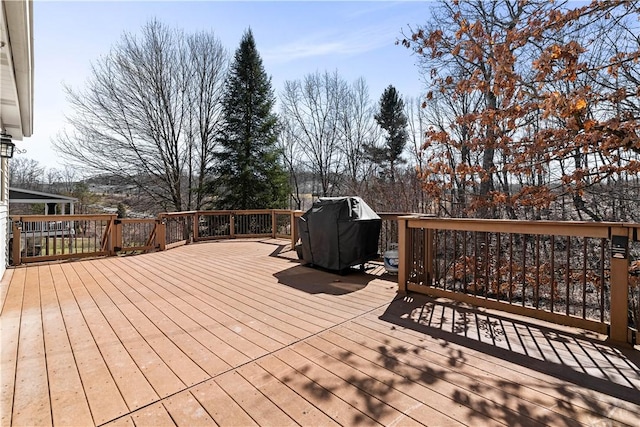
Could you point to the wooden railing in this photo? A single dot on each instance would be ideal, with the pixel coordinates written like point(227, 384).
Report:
point(572, 273)
point(135, 235)
point(55, 237)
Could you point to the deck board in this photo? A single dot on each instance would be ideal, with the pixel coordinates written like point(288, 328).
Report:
point(408, 404)
point(434, 408)
point(155, 415)
point(286, 301)
point(159, 376)
point(216, 289)
point(9, 336)
point(258, 406)
point(68, 401)
point(101, 391)
point(154, 352)
point(206, 349)
point(372, 406)
point(286, 399)
point(132, 384)
point(31, 402)
point(238, 333)
point(185, 410)
point(330, 404)
point(4, 285)
point(224, 410)
point(188, 359)
point(230, 345)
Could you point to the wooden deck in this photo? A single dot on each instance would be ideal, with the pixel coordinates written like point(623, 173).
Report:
point(238, 333)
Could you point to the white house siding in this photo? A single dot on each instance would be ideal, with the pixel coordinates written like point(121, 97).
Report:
point(16, 93)
point(4, 212)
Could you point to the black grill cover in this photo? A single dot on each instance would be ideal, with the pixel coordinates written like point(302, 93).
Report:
point(339, 232)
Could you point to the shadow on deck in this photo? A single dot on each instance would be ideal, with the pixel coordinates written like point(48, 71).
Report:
point(577, 357)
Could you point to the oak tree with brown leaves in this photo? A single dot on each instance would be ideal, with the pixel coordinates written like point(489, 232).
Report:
point(543, 105)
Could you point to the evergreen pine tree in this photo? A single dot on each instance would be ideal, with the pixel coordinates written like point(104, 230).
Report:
point(249, 172)
point(392, 119)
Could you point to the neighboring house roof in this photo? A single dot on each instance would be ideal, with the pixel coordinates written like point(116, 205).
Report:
point(19, 195)
point(16, 68)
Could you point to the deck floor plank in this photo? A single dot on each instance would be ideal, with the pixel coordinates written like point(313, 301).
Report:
point(262, 286)
point(234, 348)
point(316, 288)
point(114, 307)
point(224, 410)
point(195, 342)
point(31, 402)
point(134, 387)
point(407, 369)
point(185, 410)
point(4, 285)
point(172, 306)
point(218, 289)
point(9, 338)
point(159, 354)
point(266, 273)
point(544, 345)
point(399, 389)
point(284, 312)
point(190, 360)
point(68, 401)
point(323, 398)
point(199, 294)
point(294, 405)
point(372, 405)
point(103, 396)
point(155, 415)
point(237, 333)
point(126, 421)
point(258, 406)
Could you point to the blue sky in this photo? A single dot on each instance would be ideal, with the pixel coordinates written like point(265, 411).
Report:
point(294, 38)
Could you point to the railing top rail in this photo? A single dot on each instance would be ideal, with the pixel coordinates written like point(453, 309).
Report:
point(48, 218)
point(253, 212)
point(396, 215)
point(136, 220)
point(247, 211)
point(560, 228)
point(215, 212)
point(406, 214)
point(519, 221)
point(175, 214)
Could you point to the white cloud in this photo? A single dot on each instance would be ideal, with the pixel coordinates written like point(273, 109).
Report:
point(357, 42)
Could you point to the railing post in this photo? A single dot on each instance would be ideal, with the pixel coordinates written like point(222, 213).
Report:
point(293, 229)
point(187, 233)
point(232, 225)
point(161, 234)
point(618, 332)
point(274, 224)
point(196, 226)
point(17, 241)
point(110, 237)
point(404, 254)
point(116, 239)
